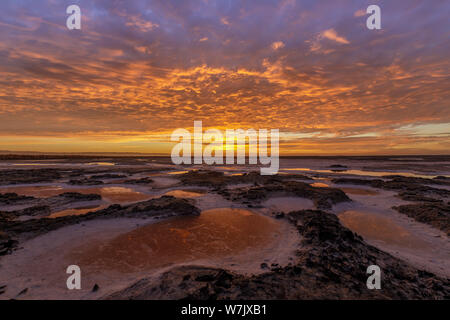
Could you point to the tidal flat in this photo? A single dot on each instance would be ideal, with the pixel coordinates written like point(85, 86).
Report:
point(143, 228)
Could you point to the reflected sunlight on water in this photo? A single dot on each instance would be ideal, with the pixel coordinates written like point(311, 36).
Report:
point(215, 233)
point(375, 227)
point(183, 194)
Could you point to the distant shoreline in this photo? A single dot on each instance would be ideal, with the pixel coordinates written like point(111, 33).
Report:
point(8, 156)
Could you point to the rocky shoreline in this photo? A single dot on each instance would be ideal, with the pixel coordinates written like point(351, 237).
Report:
point(329, 263)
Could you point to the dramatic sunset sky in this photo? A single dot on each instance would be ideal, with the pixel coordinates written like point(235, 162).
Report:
point(139, 69)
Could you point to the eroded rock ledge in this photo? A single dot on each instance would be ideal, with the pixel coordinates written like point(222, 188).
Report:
point(219, 179)
point(436, 214)
point(324, 198)
point(330, 264)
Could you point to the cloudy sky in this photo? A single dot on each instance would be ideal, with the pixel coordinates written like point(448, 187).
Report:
point(139, 69)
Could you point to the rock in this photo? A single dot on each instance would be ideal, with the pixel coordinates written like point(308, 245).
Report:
point(436, 214)
point(24, 291)
point(139, 181)
point(107, 176)
point(14, 199)
point(324, 198)
point(75, 196)
point(39, 210)
point(218, 179)
point(279, 215)
point(85, 182)
point(264, 265)
point(7, 245)
point(23, 176)
point(338, 166)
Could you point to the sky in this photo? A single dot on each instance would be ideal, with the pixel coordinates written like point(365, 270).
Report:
point(137, 70)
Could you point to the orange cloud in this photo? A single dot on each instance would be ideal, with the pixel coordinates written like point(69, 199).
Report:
point(332, 35)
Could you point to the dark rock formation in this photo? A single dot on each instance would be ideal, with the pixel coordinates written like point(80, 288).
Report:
point(219, 179)
point(13, 199)
point(22, 176)
point(323, 198)
point(139, 181)
point(85, 182)
point(108, 176)
point(436, 214)
point(338, 166)
point(39, 210)
point(437, 180)
point(7, 244)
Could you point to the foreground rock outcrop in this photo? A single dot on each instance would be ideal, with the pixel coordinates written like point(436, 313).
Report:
point(330, 264)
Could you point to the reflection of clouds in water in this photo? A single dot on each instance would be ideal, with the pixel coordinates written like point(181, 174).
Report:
point(183, 194)
point(76, 211)
point(215, 233)
point(122, 194)
point(177, 172)
point(375, 227)
point(319, 185)
point(101, 164)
